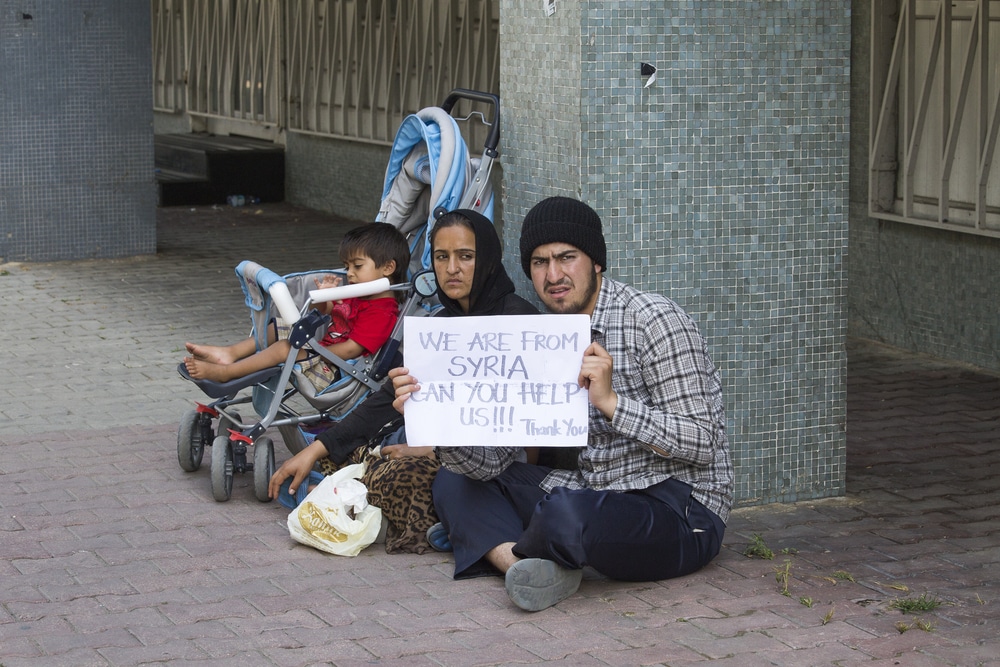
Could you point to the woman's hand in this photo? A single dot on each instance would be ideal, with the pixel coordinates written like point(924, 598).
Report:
point(298, 468)
point(404, 451)
point(404, 384)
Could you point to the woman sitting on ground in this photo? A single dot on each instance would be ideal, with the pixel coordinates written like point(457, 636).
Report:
point(468, 265)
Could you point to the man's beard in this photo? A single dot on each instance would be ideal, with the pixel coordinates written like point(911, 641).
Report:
point(577, 305)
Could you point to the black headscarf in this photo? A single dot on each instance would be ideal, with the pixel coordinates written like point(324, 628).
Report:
point(491, 286)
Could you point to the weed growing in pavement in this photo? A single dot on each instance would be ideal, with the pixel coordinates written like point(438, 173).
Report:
point(895, 587)
point(782, 575)
point(807, 601)
point(829, 616)
point(843, 576)
point(916, 605)
point(919, 624)
point(758, 549)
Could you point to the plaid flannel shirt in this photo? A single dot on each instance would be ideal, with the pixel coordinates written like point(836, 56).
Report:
point(670, 419)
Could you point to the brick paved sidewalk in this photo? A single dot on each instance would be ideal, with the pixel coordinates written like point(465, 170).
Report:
point(111, 555)
point(94, 344)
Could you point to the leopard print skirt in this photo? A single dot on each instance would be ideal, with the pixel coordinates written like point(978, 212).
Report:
point(401, 488)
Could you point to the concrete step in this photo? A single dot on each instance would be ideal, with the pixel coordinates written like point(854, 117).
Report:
point(199, 169)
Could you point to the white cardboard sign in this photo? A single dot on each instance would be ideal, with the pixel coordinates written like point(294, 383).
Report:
point(505, 380)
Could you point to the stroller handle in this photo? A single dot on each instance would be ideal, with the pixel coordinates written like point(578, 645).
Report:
point(348, 291)
point(493, 140)
point(283, 301)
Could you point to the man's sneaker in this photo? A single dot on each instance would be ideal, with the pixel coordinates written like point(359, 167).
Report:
point(534, 584)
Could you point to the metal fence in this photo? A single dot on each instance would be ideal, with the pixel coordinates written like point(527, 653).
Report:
point(169, 63)
point(341, 68)
point(935, 114)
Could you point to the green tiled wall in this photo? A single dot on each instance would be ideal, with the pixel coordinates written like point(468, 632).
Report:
point(76, 141)
point(723, 186)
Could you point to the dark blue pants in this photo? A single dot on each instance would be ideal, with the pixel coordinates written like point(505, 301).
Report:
point(656, 533)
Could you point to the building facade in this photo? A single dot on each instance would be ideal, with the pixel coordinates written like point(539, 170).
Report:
point(736, 181)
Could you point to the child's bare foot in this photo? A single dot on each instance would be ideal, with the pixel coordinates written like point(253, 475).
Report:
point(200, 369)
point(212, 353)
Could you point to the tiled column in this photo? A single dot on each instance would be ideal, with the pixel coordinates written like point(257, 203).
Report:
point(722, 185)
point(76, 139)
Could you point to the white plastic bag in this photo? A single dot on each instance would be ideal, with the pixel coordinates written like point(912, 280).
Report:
point(324, 519)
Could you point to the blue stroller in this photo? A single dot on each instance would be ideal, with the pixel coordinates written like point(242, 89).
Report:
point(271, 296)
point(430, 172)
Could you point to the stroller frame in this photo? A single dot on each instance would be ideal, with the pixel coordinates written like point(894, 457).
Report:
point(231, 440)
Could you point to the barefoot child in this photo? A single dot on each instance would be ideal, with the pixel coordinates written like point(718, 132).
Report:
point(359, 326)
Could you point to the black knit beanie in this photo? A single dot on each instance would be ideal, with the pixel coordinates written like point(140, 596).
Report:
point(563, 220)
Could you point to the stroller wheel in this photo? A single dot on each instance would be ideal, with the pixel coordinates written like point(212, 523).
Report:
point(222, 468)
point(263, 467)
point(225, 423)
point(293, 438)
point(193, 434)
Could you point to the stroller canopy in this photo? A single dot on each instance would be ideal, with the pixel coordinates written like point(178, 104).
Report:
point(428, 173)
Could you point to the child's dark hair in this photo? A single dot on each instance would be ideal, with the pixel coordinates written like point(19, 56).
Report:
point(380, 241)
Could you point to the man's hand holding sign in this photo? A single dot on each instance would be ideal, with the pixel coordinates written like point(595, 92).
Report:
point(510, 381)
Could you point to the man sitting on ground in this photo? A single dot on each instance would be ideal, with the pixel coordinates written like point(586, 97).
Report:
point(654, 486)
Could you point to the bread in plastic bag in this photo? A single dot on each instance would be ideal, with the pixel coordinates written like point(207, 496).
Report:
point(335, 517)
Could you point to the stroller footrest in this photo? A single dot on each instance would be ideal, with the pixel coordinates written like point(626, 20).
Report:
point(219, 389)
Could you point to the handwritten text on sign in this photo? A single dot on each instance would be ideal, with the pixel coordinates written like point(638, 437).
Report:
point(509, 380)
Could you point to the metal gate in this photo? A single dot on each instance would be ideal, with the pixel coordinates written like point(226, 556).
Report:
point(935, 93)
point(340, 68)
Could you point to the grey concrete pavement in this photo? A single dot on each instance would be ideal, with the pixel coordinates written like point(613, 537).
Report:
point(95, 344)
point(110, 554)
